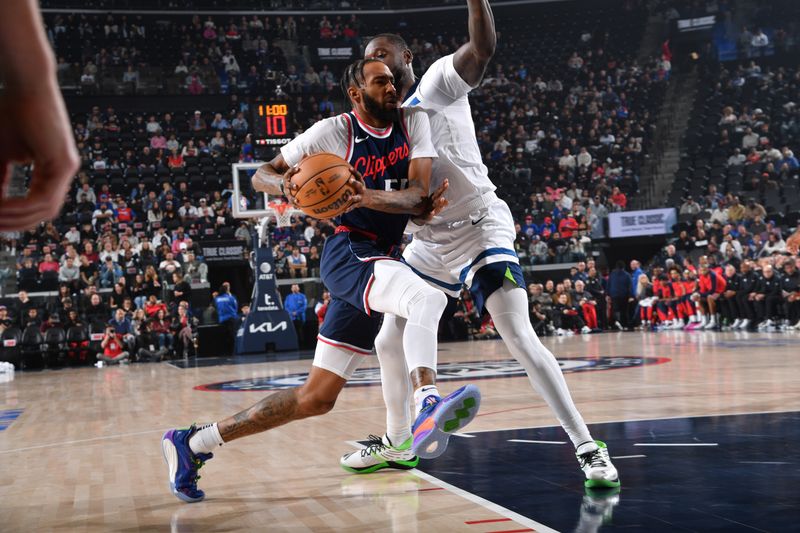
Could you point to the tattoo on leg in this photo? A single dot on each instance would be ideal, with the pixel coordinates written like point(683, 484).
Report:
point(422, 376)
point(274, 410)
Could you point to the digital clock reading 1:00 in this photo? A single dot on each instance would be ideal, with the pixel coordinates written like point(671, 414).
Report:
point(272, 124)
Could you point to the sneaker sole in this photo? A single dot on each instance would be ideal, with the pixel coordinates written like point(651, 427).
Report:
point(397, 465)
point(171, 458)
point(600, 484)
point(431, 437)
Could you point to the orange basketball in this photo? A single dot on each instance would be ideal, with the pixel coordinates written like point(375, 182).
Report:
point(323, 189)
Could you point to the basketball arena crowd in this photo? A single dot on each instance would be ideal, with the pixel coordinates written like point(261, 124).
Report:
point(565, 135)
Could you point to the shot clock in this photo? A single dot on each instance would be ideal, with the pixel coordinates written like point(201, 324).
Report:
point(272, 123)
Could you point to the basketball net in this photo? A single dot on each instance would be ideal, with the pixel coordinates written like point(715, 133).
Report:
point(283, 213)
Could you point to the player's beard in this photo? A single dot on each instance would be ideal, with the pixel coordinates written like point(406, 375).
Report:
point(377, 110)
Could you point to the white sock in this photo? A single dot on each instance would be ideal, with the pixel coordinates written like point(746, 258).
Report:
point(395, 382)
point(509, 309)
point(422, 393)
point(206, 439)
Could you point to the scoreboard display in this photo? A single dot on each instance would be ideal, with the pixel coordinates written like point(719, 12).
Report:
point(272, 124)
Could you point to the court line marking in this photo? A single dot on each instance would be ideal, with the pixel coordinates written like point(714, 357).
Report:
point(81, 441)
point(675, 444)
point(474, 498)
point(638, 420)
point(627, 456)
point(538, 441)
point(486, 504)
point(464, 435)
point(487, 521)
point(764, 463)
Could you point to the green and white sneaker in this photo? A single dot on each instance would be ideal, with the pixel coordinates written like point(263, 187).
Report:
point(380, 453)
point(596, 465)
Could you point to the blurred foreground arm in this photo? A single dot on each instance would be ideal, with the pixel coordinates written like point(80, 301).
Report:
point(35, 126)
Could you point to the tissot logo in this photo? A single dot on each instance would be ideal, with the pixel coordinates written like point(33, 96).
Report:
point(508, 368)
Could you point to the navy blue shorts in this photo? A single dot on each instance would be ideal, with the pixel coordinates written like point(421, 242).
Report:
point(490, 277)
point(347, 267)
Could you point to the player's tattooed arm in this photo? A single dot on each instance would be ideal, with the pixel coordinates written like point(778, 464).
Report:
point(471, 58)
point(414, 200)
point(275, 178)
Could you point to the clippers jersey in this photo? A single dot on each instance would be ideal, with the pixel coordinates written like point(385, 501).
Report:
point(381, 155)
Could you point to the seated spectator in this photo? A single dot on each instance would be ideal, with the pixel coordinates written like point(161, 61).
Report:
point(96, 311)
point(298, 264)
point(160, 326)
point(153, 306)
point(113, 352)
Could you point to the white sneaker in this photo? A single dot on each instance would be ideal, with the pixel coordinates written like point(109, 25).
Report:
point(711, 324)
point(378, 454)
point(617, 325)
point(596, 465)
point(745, 323)
point(796, 326)
point(586, 330)
point(736, 323)
point(560, 332)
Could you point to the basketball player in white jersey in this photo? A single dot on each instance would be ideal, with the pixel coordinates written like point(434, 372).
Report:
point(472, 243)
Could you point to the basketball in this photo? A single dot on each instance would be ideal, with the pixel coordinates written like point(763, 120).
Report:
point(323, 189)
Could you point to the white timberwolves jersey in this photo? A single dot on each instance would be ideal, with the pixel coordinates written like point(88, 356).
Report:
point(442, 93)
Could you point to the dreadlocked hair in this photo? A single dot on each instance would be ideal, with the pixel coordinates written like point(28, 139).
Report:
point(354, 75)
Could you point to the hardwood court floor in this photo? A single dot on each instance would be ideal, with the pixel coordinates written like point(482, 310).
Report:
point(84, 454)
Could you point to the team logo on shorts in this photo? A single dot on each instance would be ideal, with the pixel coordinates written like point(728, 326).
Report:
point(507, 368)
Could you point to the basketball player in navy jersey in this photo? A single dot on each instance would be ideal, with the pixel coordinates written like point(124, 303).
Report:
point(470, 243)
point(388, 147)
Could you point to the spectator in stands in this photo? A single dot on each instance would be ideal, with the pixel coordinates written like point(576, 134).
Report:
point(123, 329)
point(196, 125)
point(181, 290)
point(160, 326)
point(618, 199)
point(112, 349)
point(5, 320)
point(70, 274)
point(753, 210)
point(169, 265)
point(298, 264)
point(296, 304)
point(110, 272)
point(689, 207)
point(736, 210)
point(320, 309)
point(96, 311)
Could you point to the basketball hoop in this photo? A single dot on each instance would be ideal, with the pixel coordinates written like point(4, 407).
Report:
point(283, 212)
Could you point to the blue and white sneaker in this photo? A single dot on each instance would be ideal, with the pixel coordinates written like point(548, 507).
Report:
point(442, 416)
point(183, 464)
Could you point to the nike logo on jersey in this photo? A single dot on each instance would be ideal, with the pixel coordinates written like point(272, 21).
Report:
point(361, 139)
point(474, 222)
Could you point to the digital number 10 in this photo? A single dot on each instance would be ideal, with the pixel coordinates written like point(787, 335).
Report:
point(276, 125)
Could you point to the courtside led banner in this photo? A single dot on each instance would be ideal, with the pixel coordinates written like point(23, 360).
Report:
point(642, 223)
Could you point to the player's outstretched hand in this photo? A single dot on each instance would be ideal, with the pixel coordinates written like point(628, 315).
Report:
point(359, 190)
point(437, 202)
point(35, 128)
